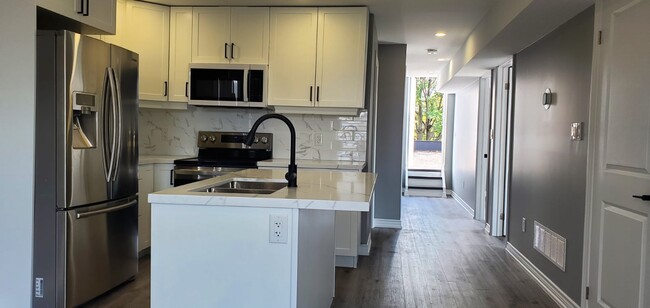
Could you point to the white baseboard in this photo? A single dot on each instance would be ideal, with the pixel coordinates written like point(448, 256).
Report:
point(462, 203)
point(364, 249)
point(387, 223)
point(561, 298)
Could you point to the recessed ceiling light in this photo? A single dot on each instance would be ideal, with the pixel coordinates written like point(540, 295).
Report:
point(432, 51)
point(440, 34)
point(443, 59)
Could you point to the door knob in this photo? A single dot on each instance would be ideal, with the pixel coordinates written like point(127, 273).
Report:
point(642, 197)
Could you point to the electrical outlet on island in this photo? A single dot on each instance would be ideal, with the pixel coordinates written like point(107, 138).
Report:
point(278, 228)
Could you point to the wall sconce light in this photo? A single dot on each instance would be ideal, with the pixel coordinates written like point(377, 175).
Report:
point(547, 98)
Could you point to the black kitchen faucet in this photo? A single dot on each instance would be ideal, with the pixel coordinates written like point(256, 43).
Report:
point(292, 173)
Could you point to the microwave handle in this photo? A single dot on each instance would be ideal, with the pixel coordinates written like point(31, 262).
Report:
point(248, 86)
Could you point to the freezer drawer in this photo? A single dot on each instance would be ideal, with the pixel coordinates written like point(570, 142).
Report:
point(102, 248)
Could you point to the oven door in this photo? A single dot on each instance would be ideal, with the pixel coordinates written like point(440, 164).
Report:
point(190, 174)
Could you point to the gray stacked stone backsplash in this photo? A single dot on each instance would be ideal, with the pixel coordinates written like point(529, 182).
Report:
point(174, 132)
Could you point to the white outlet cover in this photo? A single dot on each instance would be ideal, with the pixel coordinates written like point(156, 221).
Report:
point(278, 229)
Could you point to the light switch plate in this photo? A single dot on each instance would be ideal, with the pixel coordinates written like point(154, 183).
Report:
point(576, 131)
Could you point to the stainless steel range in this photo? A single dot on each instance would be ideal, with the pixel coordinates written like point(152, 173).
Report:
point(220, 153)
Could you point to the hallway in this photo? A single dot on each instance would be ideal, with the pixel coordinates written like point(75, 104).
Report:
point(441, 258)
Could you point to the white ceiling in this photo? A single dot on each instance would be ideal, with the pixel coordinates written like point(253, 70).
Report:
point(412, 22)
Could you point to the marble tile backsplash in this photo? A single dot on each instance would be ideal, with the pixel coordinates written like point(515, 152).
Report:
point(174, 132)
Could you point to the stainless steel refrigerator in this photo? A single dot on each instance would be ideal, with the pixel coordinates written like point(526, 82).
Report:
point(85, 200)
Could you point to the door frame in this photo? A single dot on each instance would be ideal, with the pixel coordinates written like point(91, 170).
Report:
point(499, 155)
point(483, 149)
point(593, 150)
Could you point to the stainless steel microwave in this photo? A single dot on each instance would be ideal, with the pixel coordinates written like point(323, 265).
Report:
point(230, 85)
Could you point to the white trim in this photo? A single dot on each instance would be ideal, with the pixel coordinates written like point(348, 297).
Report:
point(595, 124)
point(387, 223)
point(462, 203)
point(364, 249)
point(560, 298)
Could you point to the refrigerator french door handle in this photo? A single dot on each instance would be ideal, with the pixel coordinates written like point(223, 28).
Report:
point(108, 156)
point(111, 80)
point(118, 127)
point(108, 210)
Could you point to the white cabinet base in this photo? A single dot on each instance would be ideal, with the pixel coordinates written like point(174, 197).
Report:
point(220, 256)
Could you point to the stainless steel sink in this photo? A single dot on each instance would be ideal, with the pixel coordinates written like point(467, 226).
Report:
point(247, 186)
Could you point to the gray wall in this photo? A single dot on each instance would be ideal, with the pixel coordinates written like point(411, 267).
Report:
point(464, 147)
point(390, 126)
point(548, 169)
point(17, 87)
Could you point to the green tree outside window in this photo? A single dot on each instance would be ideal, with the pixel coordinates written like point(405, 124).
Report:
point(428, 110)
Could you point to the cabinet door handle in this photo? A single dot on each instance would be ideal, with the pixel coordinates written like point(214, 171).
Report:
point(186, 86)
point(81, 7)
point(87, 8)
point(232, 51)
point(165, 88)
point(311, 93)
point(225, 50)
point(318, 94)
point(642, 197)
point(171, 177)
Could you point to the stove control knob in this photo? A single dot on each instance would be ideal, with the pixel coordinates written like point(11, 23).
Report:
point(204, 138)
point(265, 140)
point(213, 138)
point(257, 139)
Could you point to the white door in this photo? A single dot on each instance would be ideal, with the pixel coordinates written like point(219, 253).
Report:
point(249, 35)
point(180, 52)
point(211, 35)
point(341, 57)
point(292, 56)
point(619, 254)
point(148, 36)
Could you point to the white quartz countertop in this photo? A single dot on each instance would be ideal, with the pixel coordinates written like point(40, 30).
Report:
point(314, 164)
point(159, 159)
point(317, 189)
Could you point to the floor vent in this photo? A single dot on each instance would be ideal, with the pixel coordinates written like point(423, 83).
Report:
point(550, 244)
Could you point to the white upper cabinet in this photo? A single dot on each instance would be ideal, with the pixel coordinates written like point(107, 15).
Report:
point(211, 35)
point(120, 24)
point(318, 57)
point(230, 35)
point(249, 35)
point(292, 56)
point(341, 60)
point(180, 52)
point(148, 35)
point(98, 14)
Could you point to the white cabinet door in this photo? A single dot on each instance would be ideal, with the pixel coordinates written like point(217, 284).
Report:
point(148, 35)
point(99, 14)
point(292, 56)
point(145, 186)
point(180, 52)
point(347, 238)
point(163, 176)
point(120, 27)
point(249, 35)
point(211, 35)
point(341, 60)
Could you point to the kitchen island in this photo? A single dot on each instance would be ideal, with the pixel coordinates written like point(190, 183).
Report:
point(232, 249)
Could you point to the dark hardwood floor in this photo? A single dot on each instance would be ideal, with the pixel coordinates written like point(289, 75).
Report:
point(441, 258)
